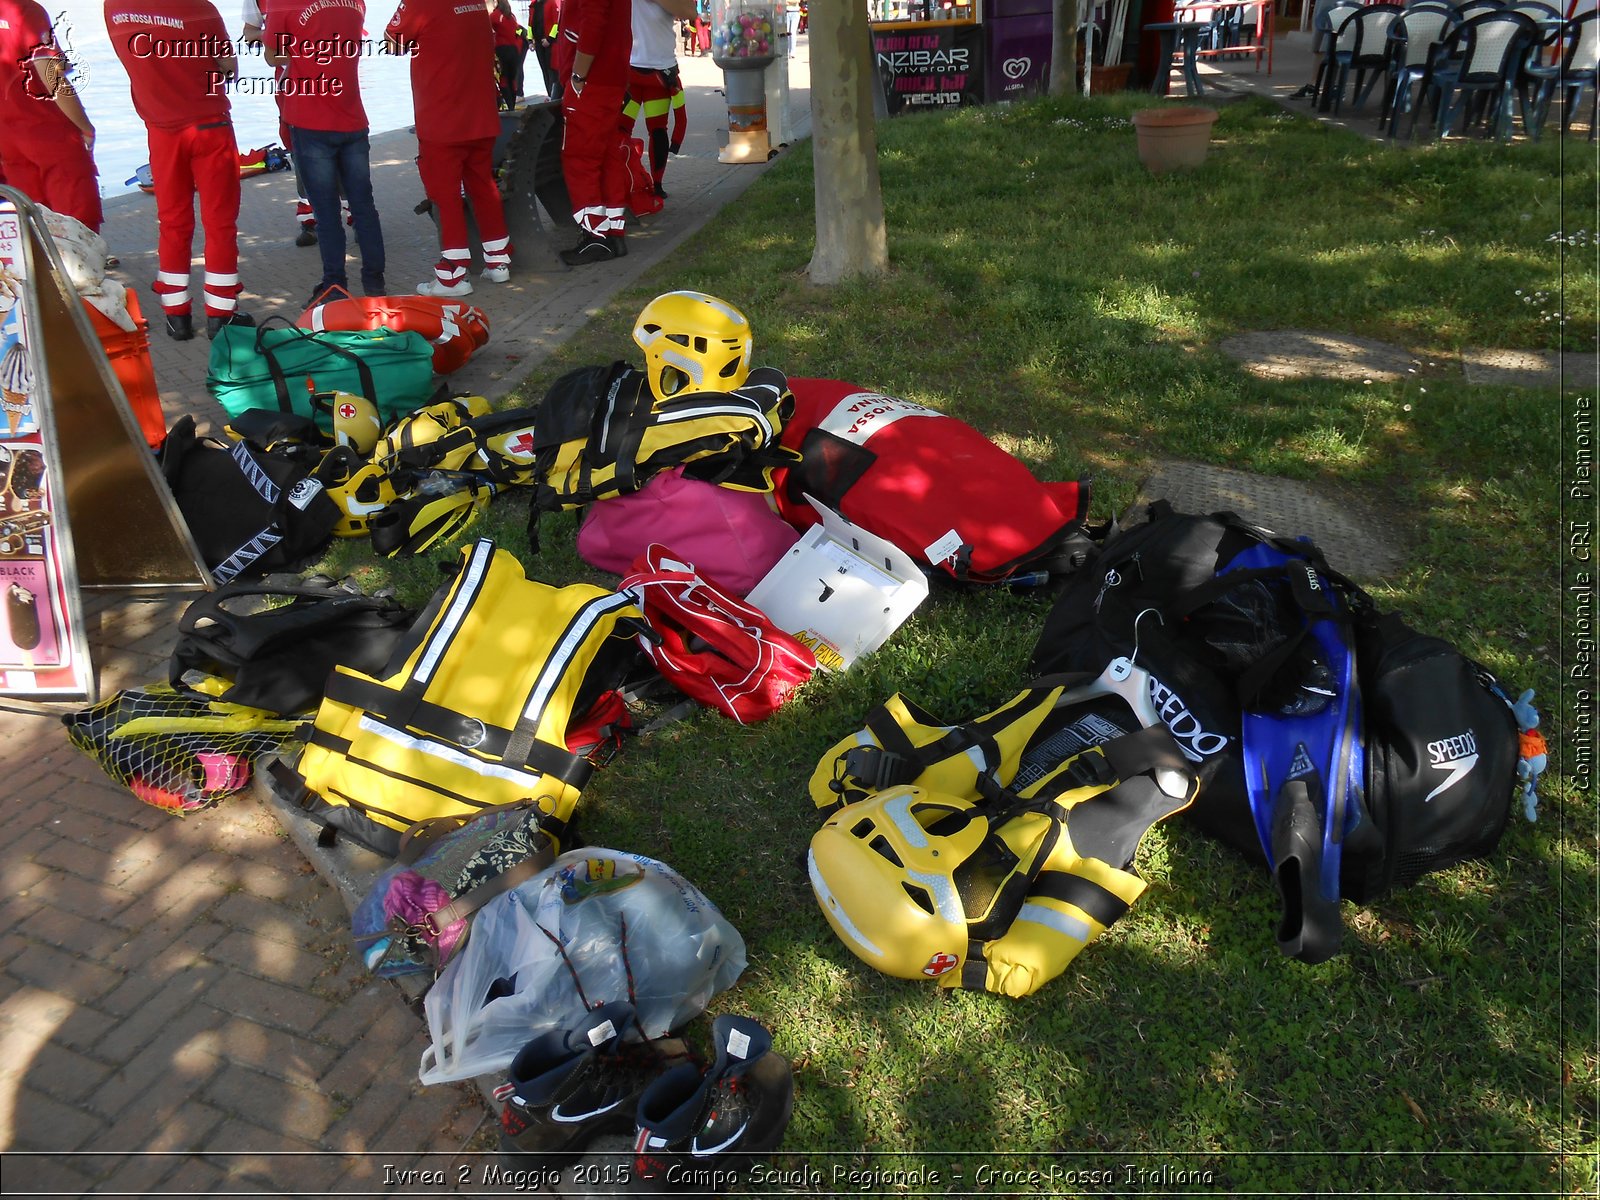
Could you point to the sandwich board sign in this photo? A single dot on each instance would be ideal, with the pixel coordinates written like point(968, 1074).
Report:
point(82, 503)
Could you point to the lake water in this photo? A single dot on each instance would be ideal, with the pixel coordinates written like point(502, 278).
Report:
point(119, 134)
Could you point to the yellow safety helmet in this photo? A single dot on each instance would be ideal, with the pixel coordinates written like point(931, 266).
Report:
point(903, 875)
point(693, 342)
point(355, 419)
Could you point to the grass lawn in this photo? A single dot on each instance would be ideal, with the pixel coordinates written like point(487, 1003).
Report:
point(1047, 290)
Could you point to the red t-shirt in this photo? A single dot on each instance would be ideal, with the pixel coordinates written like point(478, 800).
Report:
point(602, 28)
point(452, 68)
point(325, 41)
point(26, 115)
point(170, 48)
point(505, 30)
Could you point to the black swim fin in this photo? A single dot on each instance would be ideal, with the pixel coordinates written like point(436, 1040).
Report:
point(1309, 927)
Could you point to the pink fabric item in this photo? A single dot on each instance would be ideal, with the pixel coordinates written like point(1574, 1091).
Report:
point(411, 898)
point(731, 536)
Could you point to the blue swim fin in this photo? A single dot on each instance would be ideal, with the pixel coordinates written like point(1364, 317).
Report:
point(1304, 774)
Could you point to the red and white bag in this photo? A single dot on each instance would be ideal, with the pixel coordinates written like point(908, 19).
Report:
point(930, 484)
point(713, 646)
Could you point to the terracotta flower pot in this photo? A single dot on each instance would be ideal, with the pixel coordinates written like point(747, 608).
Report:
point(1175, 138)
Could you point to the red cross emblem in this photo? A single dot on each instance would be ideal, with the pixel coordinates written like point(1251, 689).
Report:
point(521, 444)
point(939, 964)
point(347, 411)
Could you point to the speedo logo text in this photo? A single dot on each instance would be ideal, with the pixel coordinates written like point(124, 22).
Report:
point(1457, 755)
point(1196, 743)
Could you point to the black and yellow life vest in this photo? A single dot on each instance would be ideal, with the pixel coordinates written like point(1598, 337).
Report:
point(475, 709)
point(601, 432)
point(987, 855)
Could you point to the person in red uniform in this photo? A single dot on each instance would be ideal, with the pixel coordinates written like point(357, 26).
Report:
point(254, 23)
point(452, 88)
point(46, 139)
point(592, 59)
point(179, 61)
point(320, 42)
point(508, 50)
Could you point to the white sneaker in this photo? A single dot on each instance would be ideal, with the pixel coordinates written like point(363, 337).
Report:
point(432, 287)
point(496, 275)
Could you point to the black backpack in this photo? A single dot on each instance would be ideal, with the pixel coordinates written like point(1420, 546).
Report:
point(1439, 739)
point(278, 656)
point(249, 511)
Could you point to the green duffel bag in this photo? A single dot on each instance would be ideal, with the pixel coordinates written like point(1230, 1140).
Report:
point(277, 366)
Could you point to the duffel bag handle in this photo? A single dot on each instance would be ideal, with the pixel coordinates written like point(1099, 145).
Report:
point(280, 382)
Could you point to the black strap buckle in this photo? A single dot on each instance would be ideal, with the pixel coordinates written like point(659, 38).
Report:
point(875, 768)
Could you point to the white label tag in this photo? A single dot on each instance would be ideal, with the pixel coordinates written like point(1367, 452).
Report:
point(304, 492)
point(859, 415)
point(739, 1043)
point(602, 1032)
point(945, 549)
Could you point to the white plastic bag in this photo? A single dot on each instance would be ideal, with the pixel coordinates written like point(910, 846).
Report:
point(544, 953)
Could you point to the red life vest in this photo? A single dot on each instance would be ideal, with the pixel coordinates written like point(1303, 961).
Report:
point(712, 646)
point(931, 484)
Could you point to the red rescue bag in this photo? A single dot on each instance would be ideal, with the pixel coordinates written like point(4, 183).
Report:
point(931, 484)
point(711, 645)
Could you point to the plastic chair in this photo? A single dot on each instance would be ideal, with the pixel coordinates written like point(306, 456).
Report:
point(1413, 38)
point(1325, 41)
point(1544, 66)
point(1235, 26)
point(1480, 59)
point(1362, 46)
point(1573, 71)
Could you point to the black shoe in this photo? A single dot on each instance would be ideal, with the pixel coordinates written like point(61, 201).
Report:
point(619, 245)
point(306, 237)
point(660, 192)
point(180, 328)
point(594, 248)
point(214, 324)
point(374, 286)
point(569, 1086)
point(1305, 93)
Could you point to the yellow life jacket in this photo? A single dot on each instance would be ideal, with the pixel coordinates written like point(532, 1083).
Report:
point(987, 855)
point(476, 709)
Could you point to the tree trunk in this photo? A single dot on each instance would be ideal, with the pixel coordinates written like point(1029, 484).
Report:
point(851, 238)
point(1064, 48)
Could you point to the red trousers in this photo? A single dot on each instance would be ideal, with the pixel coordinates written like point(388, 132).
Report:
point(184, 162)
point(659, 96)
point(597, 177)
point(449, 169)
point(59, 175)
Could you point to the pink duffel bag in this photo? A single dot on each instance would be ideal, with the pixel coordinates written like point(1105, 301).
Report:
point(730, 536)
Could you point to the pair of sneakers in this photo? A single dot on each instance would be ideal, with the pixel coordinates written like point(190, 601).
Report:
point(694, 1129)
point(433, 287)
point(568, 1087)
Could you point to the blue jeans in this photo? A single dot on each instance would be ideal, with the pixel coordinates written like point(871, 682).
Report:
point(332, 163)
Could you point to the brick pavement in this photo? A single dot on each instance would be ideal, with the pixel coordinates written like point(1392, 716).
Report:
point(179, 1008)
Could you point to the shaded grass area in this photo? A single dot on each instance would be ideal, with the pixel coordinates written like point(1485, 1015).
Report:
point(1048, 291)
